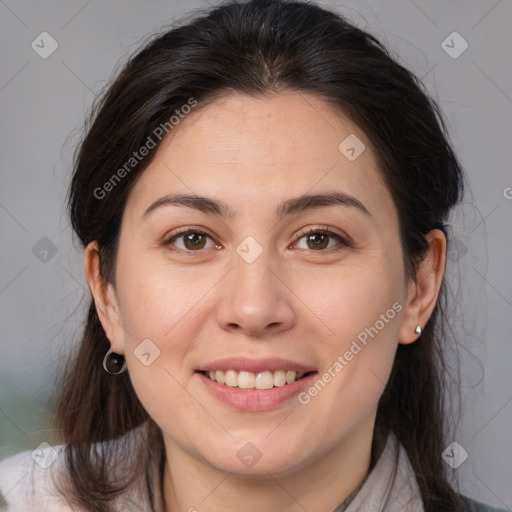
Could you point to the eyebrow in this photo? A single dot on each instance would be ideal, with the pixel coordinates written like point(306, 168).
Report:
point(288, 207)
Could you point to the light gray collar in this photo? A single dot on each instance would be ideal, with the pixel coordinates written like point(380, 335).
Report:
point(391, 485)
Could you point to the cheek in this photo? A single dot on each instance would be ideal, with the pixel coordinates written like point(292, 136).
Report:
point(164, 315)
point(369, 311)
point(361, 307)
point(159, 301)
point(170, 306)
point(353, 301)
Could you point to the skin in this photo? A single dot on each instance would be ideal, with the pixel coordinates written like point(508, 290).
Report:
point(294, 301)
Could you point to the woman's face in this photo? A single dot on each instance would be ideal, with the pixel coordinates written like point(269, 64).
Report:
point(248, 290)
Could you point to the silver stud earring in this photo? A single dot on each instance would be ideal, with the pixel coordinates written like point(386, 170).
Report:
point(418, 330)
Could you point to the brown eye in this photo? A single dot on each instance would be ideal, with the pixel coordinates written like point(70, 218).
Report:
point(318, 240)
point(192, 240)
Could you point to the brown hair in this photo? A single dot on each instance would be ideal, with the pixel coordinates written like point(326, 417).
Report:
point(256, 48)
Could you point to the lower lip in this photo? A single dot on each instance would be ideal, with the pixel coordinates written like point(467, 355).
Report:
point(255, 399)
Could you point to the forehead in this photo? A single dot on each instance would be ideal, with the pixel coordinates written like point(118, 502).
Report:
point(253, 151)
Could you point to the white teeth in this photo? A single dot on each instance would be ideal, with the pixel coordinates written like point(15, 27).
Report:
point(279, 378)
point(246, 380)
point(290, 376)
point(231, 378)
point(249, 380)
point(264, 380)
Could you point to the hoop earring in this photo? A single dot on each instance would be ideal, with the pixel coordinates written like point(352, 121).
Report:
point(418, 330)
point(114, 363)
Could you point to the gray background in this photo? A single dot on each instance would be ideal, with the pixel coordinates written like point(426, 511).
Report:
point(42, 107)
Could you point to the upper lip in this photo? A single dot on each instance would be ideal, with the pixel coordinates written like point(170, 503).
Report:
point(255, 365)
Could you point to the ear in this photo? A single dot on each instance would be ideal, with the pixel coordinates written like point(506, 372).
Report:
point(423, 291)
point(105, 298)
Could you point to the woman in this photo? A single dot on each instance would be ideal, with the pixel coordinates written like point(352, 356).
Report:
point(262, 197)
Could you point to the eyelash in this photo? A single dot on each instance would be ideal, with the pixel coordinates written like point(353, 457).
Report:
point(343, 242)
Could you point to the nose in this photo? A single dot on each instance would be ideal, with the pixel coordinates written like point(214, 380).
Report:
point(255, 299)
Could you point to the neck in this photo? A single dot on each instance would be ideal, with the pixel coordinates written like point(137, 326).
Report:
point(190, 484)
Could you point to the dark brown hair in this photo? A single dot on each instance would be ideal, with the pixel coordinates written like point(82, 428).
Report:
point(257, 48)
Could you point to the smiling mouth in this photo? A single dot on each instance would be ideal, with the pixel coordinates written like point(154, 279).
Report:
point(249, 380)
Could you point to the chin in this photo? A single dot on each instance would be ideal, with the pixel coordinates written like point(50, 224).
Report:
point(254, 459)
